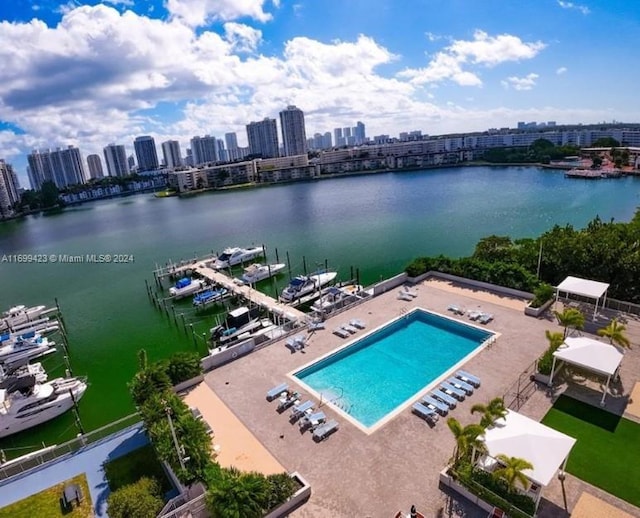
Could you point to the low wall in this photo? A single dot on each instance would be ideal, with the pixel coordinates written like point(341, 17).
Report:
point(389, 284)
point(298, 498)
point(470, 282)
point(449, 482)
point(226, 355)
point(188, 383)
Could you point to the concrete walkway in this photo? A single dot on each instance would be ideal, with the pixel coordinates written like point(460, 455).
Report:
point(88, 460)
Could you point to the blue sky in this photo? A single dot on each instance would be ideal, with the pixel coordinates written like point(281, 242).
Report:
point(90, 73)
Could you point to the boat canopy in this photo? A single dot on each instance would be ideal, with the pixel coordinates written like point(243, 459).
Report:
point(184, 282)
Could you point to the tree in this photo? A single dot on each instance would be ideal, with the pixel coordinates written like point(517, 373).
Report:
point(495, 409)
point(148, 382)
point(139, 500)
point(281, 488)
point(183, 366)
point(238, 495)
point(570, 317)
point(606, 142)
point(511, 470)
point(49, 194)
point(467, 438)
point(614, 331)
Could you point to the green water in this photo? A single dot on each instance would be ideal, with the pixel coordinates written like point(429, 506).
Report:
point(374, 223)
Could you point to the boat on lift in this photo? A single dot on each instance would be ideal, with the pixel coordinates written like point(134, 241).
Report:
point(186, 286)
point(20, 315)
point(335, 297)
point(258, 272)
point(236, 255)
point(25, 349)
point(209, 296)
point(239, 323)
point(303, 285)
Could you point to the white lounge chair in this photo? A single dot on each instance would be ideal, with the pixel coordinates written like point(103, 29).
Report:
point(436, 405)
point(299, 410)
point(462, 385)
point(356, 322)
point(340, 332)
point(475, 315)
point(349, 328)
point(455, 392)
point(411, 292)
point(425, 412)
point(312, 421)
point(325, 430)
point(485, 318)
point(469, 378)
point(405, 296)
point(448, 400)
point(277, 391)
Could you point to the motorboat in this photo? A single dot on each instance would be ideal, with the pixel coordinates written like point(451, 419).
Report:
point(25, 349)
point(185, 287)
point(335, 297)
point(239, 324)
point(7, 338)
point(209, 296)
point(35, 403)
point(306, 284)
point(12, 373)
point(233, 256)
point(19, 315)
point(258, 272)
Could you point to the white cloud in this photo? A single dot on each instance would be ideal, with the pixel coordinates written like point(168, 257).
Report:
point(432, 37)
point(449, 64)
point(561, 70)
point(197, 13)
point(242, 37)
point(578, 7)
point(521, 83)
point(126, 3)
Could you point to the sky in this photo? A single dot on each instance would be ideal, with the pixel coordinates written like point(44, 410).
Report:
point(89, 72)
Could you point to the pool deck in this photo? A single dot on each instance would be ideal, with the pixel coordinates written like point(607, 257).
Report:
point(354, 474)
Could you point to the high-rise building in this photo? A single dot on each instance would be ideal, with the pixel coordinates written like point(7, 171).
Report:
point(146, 154)
point(9, 189)
point(204, 150)
point(263, 138)
point(171, 153)
point(231, 140)
point(338, 139)
point(294, 137)
point(116, 158)
point(359, 133)
point(346, 132)
point(131, 160)
point(95, 166)
point(63, 167)
point(221, 152)
point(326, 141)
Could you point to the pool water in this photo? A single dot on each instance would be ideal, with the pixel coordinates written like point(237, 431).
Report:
point(373, 376)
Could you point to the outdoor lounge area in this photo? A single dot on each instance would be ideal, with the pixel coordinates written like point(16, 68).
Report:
point(584, 288)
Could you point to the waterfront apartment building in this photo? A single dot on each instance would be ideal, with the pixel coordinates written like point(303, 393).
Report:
point(146, 154)
point(233, 152)
point(171, 154)
point(294, 137)
point(95, 166)
point(9, 189)
point(63, 167)
point(204, 150)
point(115, 157)
point(263, 138)
point(359, 133)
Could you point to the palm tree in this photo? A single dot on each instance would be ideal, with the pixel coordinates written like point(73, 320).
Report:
point(467, 438)
point(555, 339)
point(570, 317)
point(490, 412)
point(511, 470)
point(615, 333)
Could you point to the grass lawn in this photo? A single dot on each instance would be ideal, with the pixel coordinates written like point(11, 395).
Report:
point(47, 504)
point(607, 451)
point(132, 467)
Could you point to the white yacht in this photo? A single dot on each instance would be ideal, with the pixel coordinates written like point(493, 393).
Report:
point(258, 272)
point(19, 315)
point(336, 297)
point(232, 256)
point(10, 374)
point(303, 285)
point(37, 403)
point(185, 287)
point(25, 349)
point(239, 324)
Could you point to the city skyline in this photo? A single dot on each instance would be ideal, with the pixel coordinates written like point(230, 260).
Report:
point(222, 64)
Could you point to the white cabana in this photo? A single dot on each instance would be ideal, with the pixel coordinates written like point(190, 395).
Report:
point(516, 435)
point(585, 288)
point(598, 357)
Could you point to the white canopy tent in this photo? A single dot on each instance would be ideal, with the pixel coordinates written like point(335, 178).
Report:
point(585, 288)
point(516, 435)
point(598, 357)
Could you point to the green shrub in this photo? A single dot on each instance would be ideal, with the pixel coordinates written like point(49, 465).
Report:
point(545, 363)
point(183, 366)
point(139, 500)
point(543, 293)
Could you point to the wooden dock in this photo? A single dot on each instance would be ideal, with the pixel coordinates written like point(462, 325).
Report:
point(255, 296)
point(182, 267)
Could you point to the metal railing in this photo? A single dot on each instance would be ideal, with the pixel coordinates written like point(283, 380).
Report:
point(37, 458)
point(521, 389)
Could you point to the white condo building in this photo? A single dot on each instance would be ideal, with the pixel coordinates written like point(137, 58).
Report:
point(294, 137)
point(116, 158)
point(171, 154)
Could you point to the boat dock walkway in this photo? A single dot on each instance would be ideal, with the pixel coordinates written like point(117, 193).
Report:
point(249, 293)
point(182, 267)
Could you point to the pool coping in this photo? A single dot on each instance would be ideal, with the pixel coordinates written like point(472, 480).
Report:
point(368, 430)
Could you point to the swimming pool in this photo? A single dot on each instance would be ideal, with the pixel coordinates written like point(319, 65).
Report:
point(375, 375)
